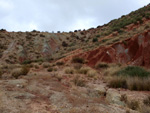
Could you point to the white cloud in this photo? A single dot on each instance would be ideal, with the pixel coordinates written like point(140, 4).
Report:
point(63, 15)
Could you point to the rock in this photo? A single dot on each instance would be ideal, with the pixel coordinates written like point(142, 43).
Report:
point(101, 90)
point(113, 96)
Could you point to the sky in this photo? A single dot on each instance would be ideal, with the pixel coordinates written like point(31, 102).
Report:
point(62, 15)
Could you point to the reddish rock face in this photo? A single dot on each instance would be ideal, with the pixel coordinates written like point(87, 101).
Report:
point(134, 51)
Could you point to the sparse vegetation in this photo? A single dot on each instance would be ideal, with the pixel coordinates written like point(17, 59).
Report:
point(20, 71)
point(133, 71)
point(60, 63)
point(69, 71)
point(92, 73)
point(132, 78)
point(46, 64)
point(134, 105)
point(78, 60)
point(79, 81)
point(147, 101)
point(50, 69)
point(102, 65)
point(95, 39)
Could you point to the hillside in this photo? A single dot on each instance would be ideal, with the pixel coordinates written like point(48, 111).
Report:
point(99, 70)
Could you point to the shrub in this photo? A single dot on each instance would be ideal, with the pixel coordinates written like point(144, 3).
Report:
point(20, 71)
point(133, 71)
point(78, 81)
point(69, 71)
point(102, 65)
point(27, 62)
point(84, 70)
point(46, 64)
point(25, 70)
point(16, 73)
point(139, 84)
point(64, 44)
point(134, 105)
point(77, 66)
point(50, 69)
point(147, 101)
point(118, 82)
point(60, 63)
point(78, 60)
point(95, 39)
point(92, 73)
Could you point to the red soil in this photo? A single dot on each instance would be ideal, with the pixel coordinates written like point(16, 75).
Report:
point(134, 51)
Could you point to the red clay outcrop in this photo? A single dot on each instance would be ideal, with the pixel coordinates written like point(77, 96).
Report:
point(133, 51)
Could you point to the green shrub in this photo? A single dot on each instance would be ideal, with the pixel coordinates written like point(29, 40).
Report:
point(95, 39)
point(133, 71)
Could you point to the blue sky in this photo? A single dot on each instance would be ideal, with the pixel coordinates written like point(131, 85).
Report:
point(62, 15)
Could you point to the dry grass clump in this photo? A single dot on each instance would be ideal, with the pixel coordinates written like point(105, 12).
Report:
point(60, 63)
point(83, 70)
point(46, 64)
point(146, 101)
point(131, 83)
point(118, 82)
point(132, 78)
point(69, 70)
point(111, 70)
point(78, 60)
point(59, 77)
point(77, 66)
point(50, 69)
point(102, 65)
point(78, 81)
point(20, 71)
point(92, 73)
point(134, 105)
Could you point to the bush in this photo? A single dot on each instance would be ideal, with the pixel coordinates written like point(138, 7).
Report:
point(147, 101)
point(50, 69)
point(69, 71)
point(60, 63)
point(77, 66)
point(102, 65)
point(64, 44)
point(25, 70)
point(95, 40)
point(92, 73)
point(133, 71)
point(20, 71)
point(46, 64)
point(78, 60)
point(118, 82)
point(83, 70)
point(78, 81)
point(134, 105)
